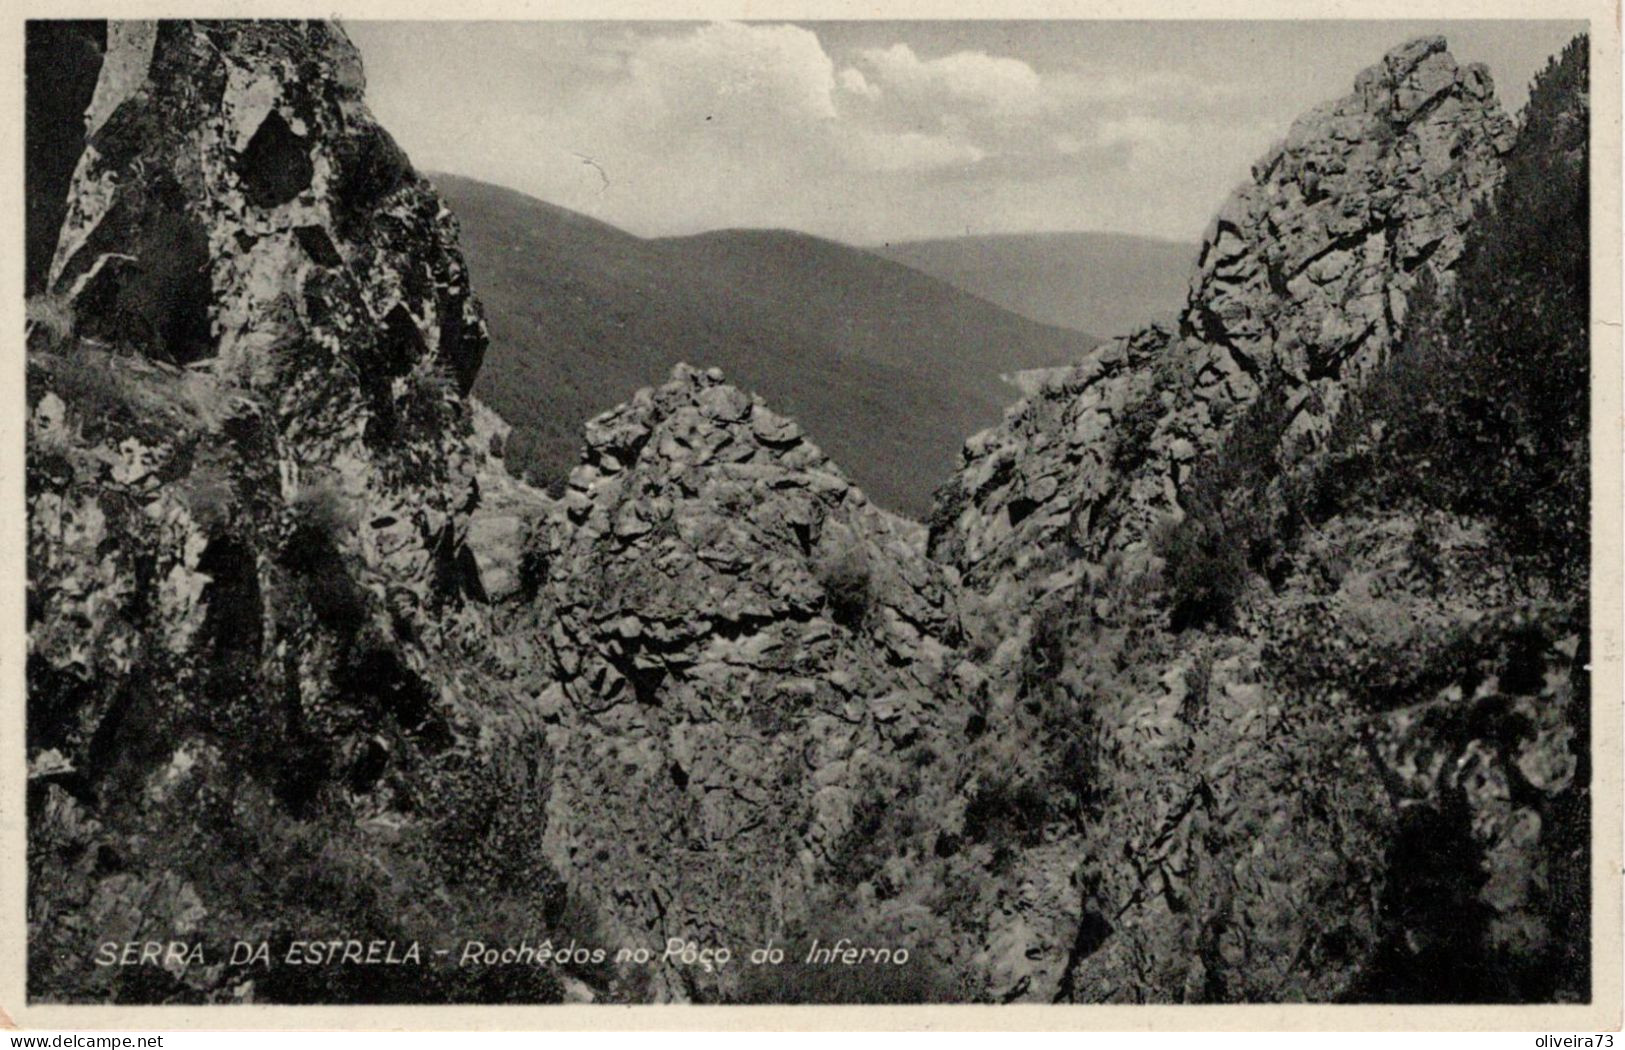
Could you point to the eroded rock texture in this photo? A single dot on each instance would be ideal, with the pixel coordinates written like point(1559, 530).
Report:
point(1300, 284)
point(1308, 757)
point(755, 668)
point(249, 487)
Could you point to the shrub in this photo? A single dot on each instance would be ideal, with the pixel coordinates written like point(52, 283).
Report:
point(92, 387)
point(326, 876)
point(209, 496)
point(1229, 529)
point(49, 320)
point(1198, 688)
point(947, 504)
point(1135, 429)
point(1005, 811)
point(1425, 551)
point(1060, 752)
point(1205, 572)
point(1045, 655)
point(319, 516)
point(321, 513)
point(848, 590)
point(263, 874)
point(430, 400)
point(1483, 409)
point(533, 566)
point(857, 856)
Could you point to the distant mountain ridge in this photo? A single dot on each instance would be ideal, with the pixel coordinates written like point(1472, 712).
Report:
point(888, 369)
point(1107, 283)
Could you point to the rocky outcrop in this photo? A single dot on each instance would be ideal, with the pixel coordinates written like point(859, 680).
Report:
point(755, 673)
point(1370, 792)
point(1362, 781)
point(1300, 285)
point(249, 485)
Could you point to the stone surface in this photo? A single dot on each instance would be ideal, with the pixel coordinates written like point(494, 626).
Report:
point(250, 476)
point(1362, 787)
point(751, 658)
point(1301, 281)
point(506, 515)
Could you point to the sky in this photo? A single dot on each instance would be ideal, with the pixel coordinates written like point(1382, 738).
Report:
point(878, 131)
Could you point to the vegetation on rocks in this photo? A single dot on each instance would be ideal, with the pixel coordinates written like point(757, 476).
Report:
point(1342, 617)
point(258, 708)
point(1483, 410)
point(845, 577)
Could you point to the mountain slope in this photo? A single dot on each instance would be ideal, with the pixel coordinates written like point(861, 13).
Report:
point(1293, 661)
point(1108, 283)
point(256, 628)
point(888, 370)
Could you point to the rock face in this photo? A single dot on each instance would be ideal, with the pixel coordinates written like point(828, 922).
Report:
point(1371, 764)
point(1377, 773)
point(754, 672)
point(507, 514)
point(1300, 285)
point(249, 479)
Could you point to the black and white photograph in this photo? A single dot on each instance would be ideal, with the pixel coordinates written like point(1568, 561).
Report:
point(756, 512)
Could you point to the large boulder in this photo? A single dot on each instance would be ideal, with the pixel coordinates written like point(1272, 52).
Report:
point(250, 476)
point(755, 672)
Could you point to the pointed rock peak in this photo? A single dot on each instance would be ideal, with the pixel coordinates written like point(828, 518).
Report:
point(1416, 74)
point(703, 468)
point(764, 650)
point(249, 485)
point(1307, 267)
point(1406, 59)
point(700, 421)
point(286, 357)
point(231, 168)
point(1300, 288)
point(235, 209)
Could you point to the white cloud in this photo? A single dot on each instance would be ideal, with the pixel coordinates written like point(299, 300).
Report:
point(1010, 87)
point(736, 71)
point(756, 124)
point(1067, 144)
point(1006, 85)
point(1137, 87)
point(1142, 130)
point(731, 119)
point(854, 82)
point(726, 91)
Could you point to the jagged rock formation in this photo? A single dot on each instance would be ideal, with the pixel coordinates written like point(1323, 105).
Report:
point(1375, 776)
point(1361, 774)
point(1300, 284)
point(755, 670)
point(249, 481)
